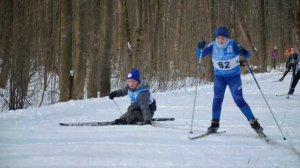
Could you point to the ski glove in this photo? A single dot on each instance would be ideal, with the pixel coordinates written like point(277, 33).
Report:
point(243, 51)
point(112, 95)
point(201, 44)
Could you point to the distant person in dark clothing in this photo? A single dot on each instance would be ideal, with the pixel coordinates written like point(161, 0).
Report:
point(290, 63)
point(296, 78)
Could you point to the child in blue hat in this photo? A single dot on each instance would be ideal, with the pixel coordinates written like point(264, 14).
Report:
point(225, 57)
point(142, 106)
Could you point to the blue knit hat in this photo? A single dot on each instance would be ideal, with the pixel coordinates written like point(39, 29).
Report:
point(222, 31)
point(134, 74)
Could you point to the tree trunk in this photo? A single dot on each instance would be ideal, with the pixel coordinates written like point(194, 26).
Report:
point(6, 25)
point(81, 48)
point(297, 24)
point(94, 54)
point(179, 12)
point(105, 64)
point(210, 69)
point(124, 57)
point(138, 40)
point(20, 56)
point(157, 41)
point(263, 36)
point(65, 61)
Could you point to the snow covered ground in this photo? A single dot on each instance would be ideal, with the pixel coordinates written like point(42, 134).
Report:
point(33, 138)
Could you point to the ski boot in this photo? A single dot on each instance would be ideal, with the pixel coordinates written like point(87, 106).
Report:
point(291, 91)
point(256, 126)
point(213, 127)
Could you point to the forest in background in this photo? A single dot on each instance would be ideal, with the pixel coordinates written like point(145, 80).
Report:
point(76, 49)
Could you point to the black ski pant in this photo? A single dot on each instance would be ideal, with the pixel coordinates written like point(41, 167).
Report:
point(134, 114)
point(295, 80)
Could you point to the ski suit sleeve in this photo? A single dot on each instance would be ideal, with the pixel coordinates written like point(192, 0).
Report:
point(144, 99)
point(121, 92)
point(203, 53)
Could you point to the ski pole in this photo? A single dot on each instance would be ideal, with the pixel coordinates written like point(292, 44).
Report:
point(195, 97)
point(265, 99)
point(117, 106)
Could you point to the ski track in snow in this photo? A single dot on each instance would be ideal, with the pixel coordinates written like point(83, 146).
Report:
point(33, 138)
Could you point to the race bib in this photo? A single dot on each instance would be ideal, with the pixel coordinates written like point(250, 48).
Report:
point(226, 64)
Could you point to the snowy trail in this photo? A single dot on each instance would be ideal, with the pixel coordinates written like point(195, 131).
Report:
point(33, 138)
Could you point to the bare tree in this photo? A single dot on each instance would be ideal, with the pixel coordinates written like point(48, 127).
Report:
point(81, 48)
point(96, 45)
point(124, 56)
point(263, 36)
point(179, 12)
point(65, 61)
point(212, 26)
point(138, 33)
point(6, 20)
point(297, 23)
point(22, 39)
point(105, 63)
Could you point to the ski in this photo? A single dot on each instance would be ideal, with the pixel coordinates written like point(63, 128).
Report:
point(163, 119)
point(286, 95)
point(205, 135)
point(88, 123)
point(104, 123)
point(281, 94)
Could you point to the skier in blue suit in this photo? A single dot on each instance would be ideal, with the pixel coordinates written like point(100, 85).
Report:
point(225, 57)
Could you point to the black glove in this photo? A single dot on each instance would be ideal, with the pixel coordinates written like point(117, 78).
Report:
point(243, 51)
point(201, 44)
point(112, 95)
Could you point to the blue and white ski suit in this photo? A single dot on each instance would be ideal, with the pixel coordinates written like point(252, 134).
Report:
point(227, 71)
